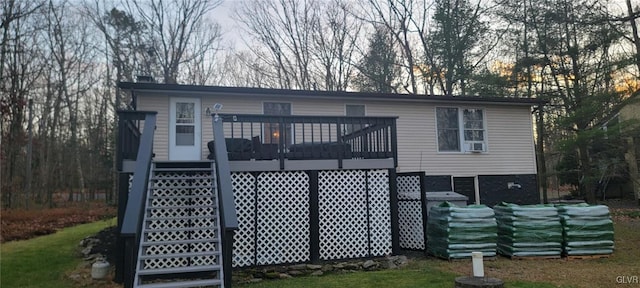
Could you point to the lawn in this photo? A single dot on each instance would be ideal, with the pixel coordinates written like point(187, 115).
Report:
point(418, 273)
point(430, 272)
point(44, 261)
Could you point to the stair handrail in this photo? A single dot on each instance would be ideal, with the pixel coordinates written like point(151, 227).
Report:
point(226, 204)
point(133, 215)
point(135, 202)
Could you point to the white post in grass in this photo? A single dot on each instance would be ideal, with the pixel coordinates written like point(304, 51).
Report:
point(478, 265)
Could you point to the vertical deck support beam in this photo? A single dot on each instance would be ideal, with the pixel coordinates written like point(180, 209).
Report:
point(393, 197)
point(425, 212)
point(314, 217)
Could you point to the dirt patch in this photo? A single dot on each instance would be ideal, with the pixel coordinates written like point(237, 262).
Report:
point(25, 224)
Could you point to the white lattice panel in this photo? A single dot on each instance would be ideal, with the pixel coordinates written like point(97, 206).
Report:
point(410, 220)
point(379, 212)
point(173, 184)
point(342, 198)
point(183, 204)
point(244, 194)
point(283, 217)
point(410, 225)
point(408, 187)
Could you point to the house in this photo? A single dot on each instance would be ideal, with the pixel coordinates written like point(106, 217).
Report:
point(312, 173)
point(632, 155)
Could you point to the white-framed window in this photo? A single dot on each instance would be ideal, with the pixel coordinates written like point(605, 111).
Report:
point(273, 131)
point(461, 129)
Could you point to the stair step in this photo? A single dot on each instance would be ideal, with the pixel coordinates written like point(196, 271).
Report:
point(184, 284)
point(181, 207)
point(179, 255)
point(147, 230)
point(181, 187)
point(180, 217)
point(182, 169)
point(186, 241)
point(183, 197)
point(182, 164)
point(182, 177)
point(188, 269)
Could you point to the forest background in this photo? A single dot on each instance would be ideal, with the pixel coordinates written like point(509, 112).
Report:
point(60, 62)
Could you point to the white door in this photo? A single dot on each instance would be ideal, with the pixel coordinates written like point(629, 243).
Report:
point(184, 129)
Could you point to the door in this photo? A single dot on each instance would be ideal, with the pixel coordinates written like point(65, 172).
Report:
point(184, 129)
point(465, 186)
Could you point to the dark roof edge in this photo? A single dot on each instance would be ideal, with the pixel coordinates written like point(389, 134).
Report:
point(320, 94)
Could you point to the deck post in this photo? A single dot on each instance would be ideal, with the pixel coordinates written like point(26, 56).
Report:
point(423, 203)
point(393, 195)
point(314, 217)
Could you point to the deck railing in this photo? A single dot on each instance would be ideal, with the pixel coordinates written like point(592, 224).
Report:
point(268, 137)
point(226, 204)
point(128, 135)
point(135, 198)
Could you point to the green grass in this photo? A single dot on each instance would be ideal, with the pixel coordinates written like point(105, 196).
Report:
point(43, 261)
point(417, 274)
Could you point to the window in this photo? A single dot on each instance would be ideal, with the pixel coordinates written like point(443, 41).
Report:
point(356, 111)
point(272, 130)
point(454, 124)
point(185, 124)
point(448, 129)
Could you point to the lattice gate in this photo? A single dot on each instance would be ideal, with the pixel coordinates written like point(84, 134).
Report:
point(283, 218)
point(410, 216)
point(354, 218)
point(342, 197)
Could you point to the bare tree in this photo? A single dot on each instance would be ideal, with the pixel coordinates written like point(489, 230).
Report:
point(179, 31)
point(70, 51)
point(19, 70)
point(283, 28)
point(405, 20)
point(635, 35)
point(335, 38)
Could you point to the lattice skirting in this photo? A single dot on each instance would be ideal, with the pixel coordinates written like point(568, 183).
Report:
point(188, 195)
point(274, 216)
point(410, 222)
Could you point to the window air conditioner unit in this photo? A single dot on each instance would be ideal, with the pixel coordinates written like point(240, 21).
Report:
point(475, 147)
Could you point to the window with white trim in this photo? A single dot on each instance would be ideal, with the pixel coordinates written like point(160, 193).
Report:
point(460, 129)
point(273, 131)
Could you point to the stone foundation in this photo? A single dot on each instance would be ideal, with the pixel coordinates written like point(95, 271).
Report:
point(257, 274)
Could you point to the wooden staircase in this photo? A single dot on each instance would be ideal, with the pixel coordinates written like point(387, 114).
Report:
point(181, 242)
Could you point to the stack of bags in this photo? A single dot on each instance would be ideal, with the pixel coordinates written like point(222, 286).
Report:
point(455, 232)
point(528, 230)
point(587, 230)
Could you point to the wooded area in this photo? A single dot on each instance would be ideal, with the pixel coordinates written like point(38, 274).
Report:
point(60, 61)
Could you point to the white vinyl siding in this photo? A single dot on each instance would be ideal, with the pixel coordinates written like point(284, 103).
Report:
point(508, 131)
point(160, 104)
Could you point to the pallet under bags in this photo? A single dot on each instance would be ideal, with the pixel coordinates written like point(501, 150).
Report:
point(528, 230)
point(455, 232)
point(587, 230)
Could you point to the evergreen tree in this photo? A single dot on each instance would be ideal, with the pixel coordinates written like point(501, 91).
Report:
point(378, 69)
point(458, 31)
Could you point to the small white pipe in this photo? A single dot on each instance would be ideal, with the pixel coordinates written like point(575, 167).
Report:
point(478, 265)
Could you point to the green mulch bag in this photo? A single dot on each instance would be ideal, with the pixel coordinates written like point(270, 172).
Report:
point(455, 232)
point(526, 211)
point(587, 229)
point(528, 230)
point(528, 251)
point(583, 209)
